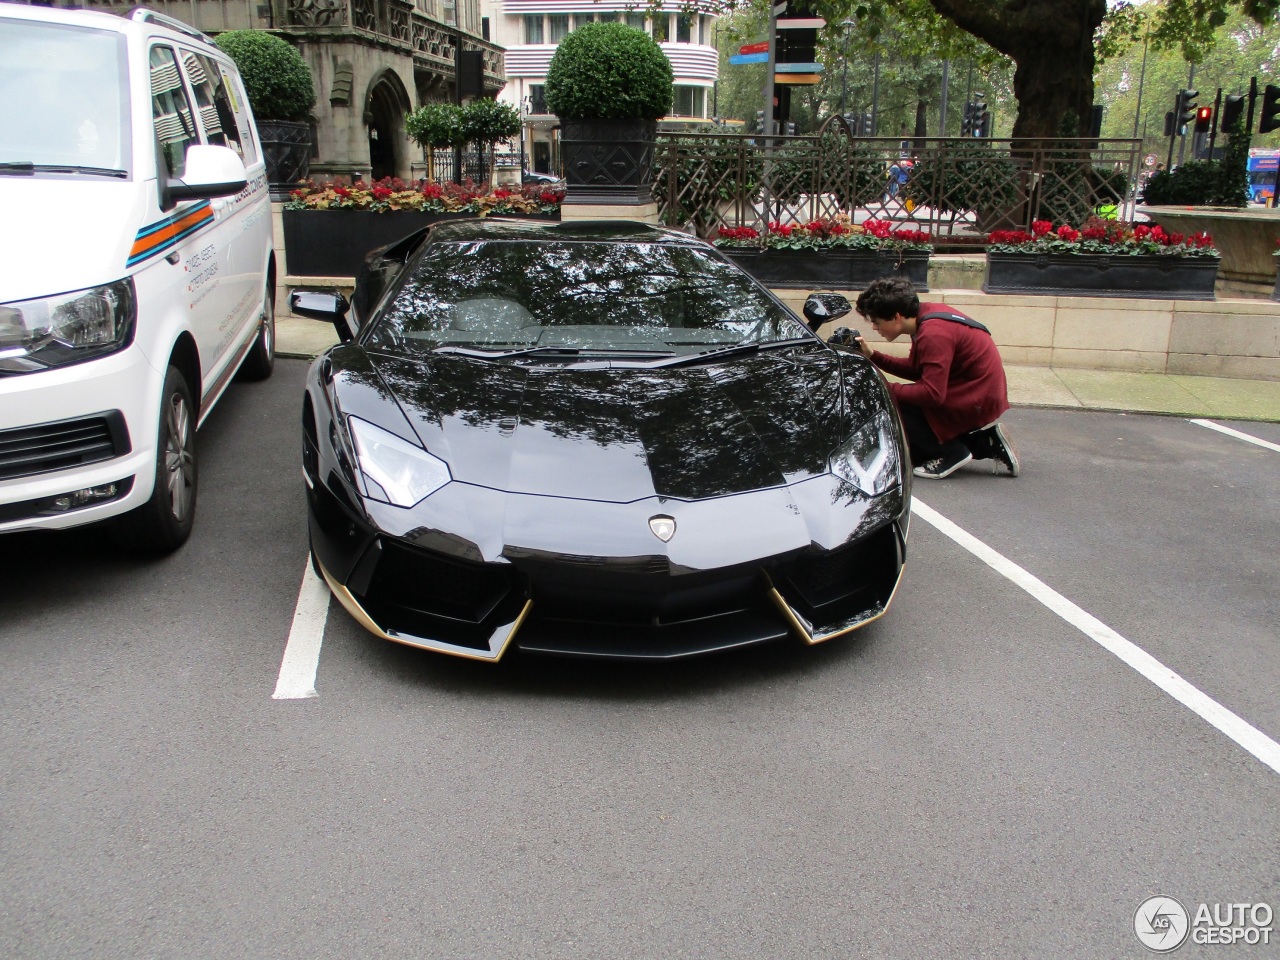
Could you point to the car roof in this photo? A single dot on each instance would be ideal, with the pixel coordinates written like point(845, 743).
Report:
point(599, 231)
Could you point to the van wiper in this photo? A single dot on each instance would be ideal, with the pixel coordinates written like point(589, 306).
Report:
point(27, 168)
point(737, 350)
point(552, 352)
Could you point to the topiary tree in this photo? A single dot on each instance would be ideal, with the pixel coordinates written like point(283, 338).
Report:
point(609, 71)
point(435, 126)
point(276, 78)
point(487, 122)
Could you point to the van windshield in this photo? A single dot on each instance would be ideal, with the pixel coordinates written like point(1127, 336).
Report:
point(64, 103)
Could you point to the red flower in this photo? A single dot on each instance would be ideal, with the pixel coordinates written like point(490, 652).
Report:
point(1094, 233)
point(1141, 231)
point(1069, 234)
point(1041, 227)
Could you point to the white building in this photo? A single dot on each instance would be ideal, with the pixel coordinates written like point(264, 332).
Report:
point(531, 29)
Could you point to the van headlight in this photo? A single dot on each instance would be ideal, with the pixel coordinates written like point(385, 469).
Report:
point(67, 328)
point(869, 459)
point(394, 470)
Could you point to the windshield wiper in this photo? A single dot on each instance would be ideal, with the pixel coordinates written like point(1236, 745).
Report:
point(552, 351)
point(27, 168)
point(737, 350)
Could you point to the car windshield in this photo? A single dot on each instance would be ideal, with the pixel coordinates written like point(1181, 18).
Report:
point(520, 299)
point(63, 100)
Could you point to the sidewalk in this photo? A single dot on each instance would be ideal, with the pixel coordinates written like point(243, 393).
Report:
point(1182, 396)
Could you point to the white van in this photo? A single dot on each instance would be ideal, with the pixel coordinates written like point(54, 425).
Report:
point(136, 266)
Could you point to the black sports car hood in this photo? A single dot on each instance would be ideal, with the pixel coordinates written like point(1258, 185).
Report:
point(619, 435)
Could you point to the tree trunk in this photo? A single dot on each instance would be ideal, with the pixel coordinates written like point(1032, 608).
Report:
point(1051, 42)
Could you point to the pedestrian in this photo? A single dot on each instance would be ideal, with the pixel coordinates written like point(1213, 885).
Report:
point(950, 410)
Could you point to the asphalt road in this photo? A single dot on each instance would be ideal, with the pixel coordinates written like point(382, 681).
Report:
point(970, 776)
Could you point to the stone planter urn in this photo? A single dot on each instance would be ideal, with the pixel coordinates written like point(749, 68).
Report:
point(286, 148)
point(608, 161)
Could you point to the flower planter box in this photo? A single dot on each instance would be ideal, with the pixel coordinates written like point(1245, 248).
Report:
point(833, 269)
point(1100, 275)
point(333, 243)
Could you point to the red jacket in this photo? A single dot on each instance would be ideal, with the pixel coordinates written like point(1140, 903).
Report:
point(958, 376)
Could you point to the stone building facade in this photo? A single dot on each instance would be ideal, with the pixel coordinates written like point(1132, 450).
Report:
point(372, 62)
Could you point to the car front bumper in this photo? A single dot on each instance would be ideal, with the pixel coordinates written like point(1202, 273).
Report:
point(102, 412)
point(730, 587)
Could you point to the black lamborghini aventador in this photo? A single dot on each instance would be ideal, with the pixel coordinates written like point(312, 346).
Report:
point(596, 439)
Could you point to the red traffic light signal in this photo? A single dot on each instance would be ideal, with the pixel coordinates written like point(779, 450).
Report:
point(1204, 119)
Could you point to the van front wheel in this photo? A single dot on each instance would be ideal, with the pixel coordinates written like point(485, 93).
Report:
point(261, 358)
point(163, 523)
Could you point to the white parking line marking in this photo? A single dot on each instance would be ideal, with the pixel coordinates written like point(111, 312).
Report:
point(297, 679)
point(1238, 435)
point(1204, 706)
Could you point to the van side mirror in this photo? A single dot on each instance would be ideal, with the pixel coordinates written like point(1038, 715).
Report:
point(821, 307)
point(210, 172)
point(324, 305)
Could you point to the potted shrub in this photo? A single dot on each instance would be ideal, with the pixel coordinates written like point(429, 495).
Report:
point(1102, 258)
point(830, 252)
point(609, 83)
point(435, 126)
point(281, 94)
point(330, 226)
point(487, 123)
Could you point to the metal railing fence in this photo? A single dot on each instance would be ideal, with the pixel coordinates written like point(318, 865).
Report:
point(953, 188)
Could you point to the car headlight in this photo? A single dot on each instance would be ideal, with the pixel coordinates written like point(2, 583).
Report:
point(394, 470)
point(67, 328)
point(869, 458)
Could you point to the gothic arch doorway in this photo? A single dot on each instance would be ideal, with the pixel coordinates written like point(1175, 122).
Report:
point(385, 108)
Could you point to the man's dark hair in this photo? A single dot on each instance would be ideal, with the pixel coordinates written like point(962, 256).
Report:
point(886, 297)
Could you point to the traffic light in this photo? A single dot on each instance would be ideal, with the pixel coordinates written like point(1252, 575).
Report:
point(1168, 123)
point(866, 125)
point(966, 122)
point(1187, 108)
point(760, 120)
point(1204, 119)
point(791, 128)
point(1232, 108)
point(1270, 109)
point(982, 122)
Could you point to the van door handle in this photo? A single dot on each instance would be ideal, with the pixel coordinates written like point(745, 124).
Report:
point(173, 257)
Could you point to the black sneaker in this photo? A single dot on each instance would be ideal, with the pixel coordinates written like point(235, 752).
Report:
point(1002, 448)
point(942, 466)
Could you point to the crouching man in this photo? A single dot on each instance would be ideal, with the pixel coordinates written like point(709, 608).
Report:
point(958, 391)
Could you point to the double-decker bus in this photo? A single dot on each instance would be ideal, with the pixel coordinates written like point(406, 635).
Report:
point(1262, 168)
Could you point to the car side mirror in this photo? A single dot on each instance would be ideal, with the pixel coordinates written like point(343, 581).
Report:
point(324, 305)
point(822, 307)
point(210, 172)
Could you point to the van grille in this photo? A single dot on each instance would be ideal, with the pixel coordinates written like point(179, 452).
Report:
point(46, 447)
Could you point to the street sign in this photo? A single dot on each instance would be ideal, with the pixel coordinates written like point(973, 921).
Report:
point(740, 58)
point(760, 47)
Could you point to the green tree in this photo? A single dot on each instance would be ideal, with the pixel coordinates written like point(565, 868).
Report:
point(487, 122)
point(1055, 44)
point(435, 126)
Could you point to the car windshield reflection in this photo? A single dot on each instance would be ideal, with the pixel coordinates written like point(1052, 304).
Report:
point(575, 301)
